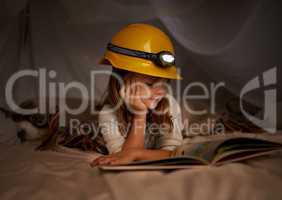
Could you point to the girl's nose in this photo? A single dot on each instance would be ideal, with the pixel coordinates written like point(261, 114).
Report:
point(158, 91)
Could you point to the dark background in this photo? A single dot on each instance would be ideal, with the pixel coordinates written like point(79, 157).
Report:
point(215, 40)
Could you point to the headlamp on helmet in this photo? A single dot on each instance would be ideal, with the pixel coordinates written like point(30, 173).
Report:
point(162, 59)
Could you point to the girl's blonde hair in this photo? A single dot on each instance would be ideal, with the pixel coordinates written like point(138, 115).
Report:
point(124, 116)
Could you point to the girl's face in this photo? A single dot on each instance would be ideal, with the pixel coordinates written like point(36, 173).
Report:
point(153, 88)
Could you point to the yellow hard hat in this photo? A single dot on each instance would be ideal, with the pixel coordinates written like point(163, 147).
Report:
point(144, 49)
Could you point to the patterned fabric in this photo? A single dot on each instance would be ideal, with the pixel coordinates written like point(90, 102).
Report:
point(61, 136)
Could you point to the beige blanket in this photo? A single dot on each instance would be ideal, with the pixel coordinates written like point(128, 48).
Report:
point(26, 174)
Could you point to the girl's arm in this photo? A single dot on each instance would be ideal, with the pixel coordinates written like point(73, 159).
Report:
point(128, 155)
point(133, 147)
point(149, 154)
point(135, 138)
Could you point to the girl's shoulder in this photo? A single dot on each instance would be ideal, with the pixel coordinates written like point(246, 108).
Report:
point(176, 114)
point(106, 107)
point(174, 106)
point(106, 113)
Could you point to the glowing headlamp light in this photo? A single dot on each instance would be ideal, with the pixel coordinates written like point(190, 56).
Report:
point(166, 58)
point(162, 59)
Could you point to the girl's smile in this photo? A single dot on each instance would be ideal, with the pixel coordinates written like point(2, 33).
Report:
point(153, 89)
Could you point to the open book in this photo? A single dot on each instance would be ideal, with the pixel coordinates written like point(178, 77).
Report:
point(207, 153)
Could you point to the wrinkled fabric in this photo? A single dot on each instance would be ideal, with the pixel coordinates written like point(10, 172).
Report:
point(66, 174)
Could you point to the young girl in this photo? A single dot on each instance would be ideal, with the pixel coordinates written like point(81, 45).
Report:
point(140, 120)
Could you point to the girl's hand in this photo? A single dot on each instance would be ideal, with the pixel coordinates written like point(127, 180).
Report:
point(122, 157)
point(132, 93)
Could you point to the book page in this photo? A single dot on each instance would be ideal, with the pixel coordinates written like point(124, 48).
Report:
point(180, 160)
point(243, 155)
point(243, 146)
point(203, 151)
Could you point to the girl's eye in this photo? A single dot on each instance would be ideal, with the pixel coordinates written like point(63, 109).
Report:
point(149, 84)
